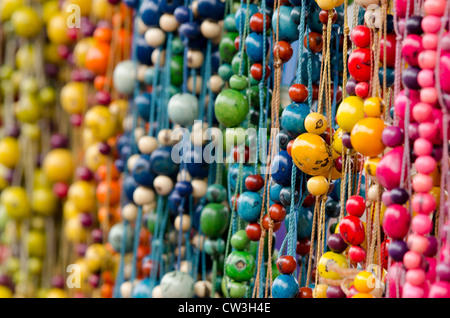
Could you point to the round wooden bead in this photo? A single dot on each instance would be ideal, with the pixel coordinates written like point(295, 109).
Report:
point(373, 192)
point(202, 288)
point(168, 22)
point(155, 37)
point(147, 144)
point(195, 58)
point(210, 29)
point(131, 161)
point(184, 266)
point(198, 84)
point(216, 83)
point(142, 69)
point(194, 8)
point(125, 289)
point(163, 185)
point(182, 222)
point(162, 57)
point(156, 292)
point(143, 195)
point(165, 137)
point(127, 123)
point(139, 132)
point(141, 27)
point(148, 208)
point(197, 138)
point(129, 212)
point(199, 188)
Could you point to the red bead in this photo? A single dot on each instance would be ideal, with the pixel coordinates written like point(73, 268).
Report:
point(315, 42)
point(257, 22)
point(286, 264)
point(284, 51)
point(253, 231)
point(355, 205)
point(305, 292)
point(362, 89)
point(360, 36)
point(237, 155)
point(289, 147)
point(391, 43)
point(277, 212)
point(329, 132)
point(298, 93)
point(236, 43)
point(309, 201)
point(234, 201)
point(338, 164)
point(352, 230)
point(148, 267)
point(254, 182)
point(303, 247)
point(257, 72)
point(266, 223)
point(356, 254)
point(359, 64)
point(315, 88)
point(60, 189)
point(323, 16)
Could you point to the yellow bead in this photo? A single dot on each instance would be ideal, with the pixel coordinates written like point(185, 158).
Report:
point(328, 259)
point(97, 257)
point(328, 4)
point(374, 107)
point(73, 97)
point(40, 179)
point(16, 203)
point(317, 186)
point(316, 123)
point(364, 282)
point(56, 293)
point(7, 8)
point(25, 57)
point(49, 9)
point(81, 49)
point(93, 158)
point(82, 193)
point(70, 210)
point(370, 166)
point(57, 29)
point(27, 109)
point(34, 265)
point(36, 244)
point(26, 22)
point(101, 122)
point(74, 230)
point(9, 152)
point(350, 111)
point(58, 165)
point(320, 291)
point(44, 201)
point(32, 131)
point(5, 292)
point(366, 137)
point(84, 5)
point(311, 154)
point(363, 295)
point(337, 141)
point(102, 9)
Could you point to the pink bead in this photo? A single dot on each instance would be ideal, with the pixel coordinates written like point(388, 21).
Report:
point(402, 7)
point(431, 273)
point(430, 41)
point(401, 100)
point(444, 69)
point(422, 112)
point(429, 95)
point(412, 260)
point(422, 147)
point(445, 253)
point(396, 221)
point(425, 164)
point(423, 203)
point(422, 182)
point(440, 290)
point(389, 168)
point(411, 49)
point(425, 78)
point(427, 59)
point(415, 276)
point(421, 224)
point(396, 276)
point(418, 243)
point(434, 7)
point(428, 131)
point(431, 24)
point(412, 291)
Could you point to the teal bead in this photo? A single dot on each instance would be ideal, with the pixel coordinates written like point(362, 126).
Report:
point(252, 80)
point(230, 108)
point(214, 247)
point(177, 284)
point(240, 266)
point(216, 193)
point(239, 240)
point(225, 72)
point(149, 75)
point(226, 47)
point(116, 234)
point(173, 90)
point(214, 220)
point(176, 70)
point(235, 63)
point(124, 77)
point(288, 29)
point(238, 82)
point(183, 109)
point(293, 118)
point(230, 23)
point(177, 46)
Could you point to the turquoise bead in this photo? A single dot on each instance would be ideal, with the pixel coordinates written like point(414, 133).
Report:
point(234, 174)
point(230, 108)
point(304, 223)
point(116, 234)
point(293, 119)
point(285, 286)
point(288, 29)
point(225, 72)
point(249, 206)
point(214, 247)
point(230, 23)
point(149, 75)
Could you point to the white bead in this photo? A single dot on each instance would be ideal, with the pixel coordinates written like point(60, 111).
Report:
point(198, 188)
point(197, 138)
point(155, 37)
point(165, 137)
point(168, 23)
point(185, 266)
point(216, 83)
point(202, 288)
point(373, 192)
point(141, 72)
point(129, 212)
point(194, 58)
point(198, 84)
point(183, 175)
point(156, 292)
point(162, 57)
point(131, 161)
point(149, 208)
point(199, 125)
point(174, 236)
point(210, 29)
point(127, 123)
point(194, 8)
point(147, 144)
point(125, 289)
point(163, 185)
point(185, 223)
point(372, 16)
point(138, 133)
point(143, 195)
point(127, 269)
point(141, 27)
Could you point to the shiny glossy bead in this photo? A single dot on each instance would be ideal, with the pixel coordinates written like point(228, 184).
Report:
point(359, 64)
point(293, 118)
point(328, 259)
point(316, 123)
point(356, 254)
point(336, 243)
point(240, 266)
point(298, 93)
point(286, 264)
point(366, 136)
point(254, 182)
point(396, 221)
point(352, 230)
point(317, 185)
point(214, 219)
point(253, 231)
point(360, 36)
point(277, 212)
point(285, 286)
point(311, 154)
point(257, 22)
point(374, 107)
point(355, 205)
point(249, 206)
point(283, 50)
point(350, 111)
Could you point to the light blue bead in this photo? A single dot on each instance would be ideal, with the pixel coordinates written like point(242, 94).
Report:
point(288, 29)
point(249, 206)
point(285, 286)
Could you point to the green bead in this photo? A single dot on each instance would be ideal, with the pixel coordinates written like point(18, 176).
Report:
point(29, 85)
point(236, 289)
point(176, 70)
point(226, 47)
point(216, 193)
point(252, 80)
point(177, 46)
point(225, 72)
point(230, 108)
point(214, 219)
point(151, 222)
point(252, 94)
point(214, 247)
point(28, 109)
point(235, 63)
point(333, 227)
point(239, 240)
point(240, 266)
point(230, 23)
point(238, 82)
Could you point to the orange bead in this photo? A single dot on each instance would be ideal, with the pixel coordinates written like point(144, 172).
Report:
point(97, 58)
point(101, 81)
point(103, 35)
point(106, 291)
point(111, 189)
point(366, 136)
point(123, 40)
point(102, 172)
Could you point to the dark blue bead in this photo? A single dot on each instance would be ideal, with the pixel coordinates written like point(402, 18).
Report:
point(184, 188)
point(281, 168)
point(161, 162)
point(215, 63)
point(390, 76)
point(190, 30)
point(143, 102)
point(120, 165)
point(296, 14)
point(295, 2)
point(182, 14)
point(313, 17)
point(249, 206)
point(211, 9)
point(143, 51)
point(150, 13)
point(122, 141)
point(254, 46)
point(142, 173)
point(169, 6)
point(196, 166)
point(129, 185)
point(304, 222)
point(132, 4)
point(174, 200)
point(293, 119)
point(125, 152)
point(315, 65)
point(285, 286)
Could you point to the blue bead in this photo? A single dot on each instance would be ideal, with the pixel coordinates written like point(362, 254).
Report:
point(150, 13)
point(143, 102)
point(169, 6)
point(190, 30)
point(149, 75)
point(304, 222)
point(122, 141)
point(211, 9)
point(315, 65)
point(241, 13)
point(288, 29)
point(182, 14)
point(143, 51)
point(285, 286)
point(281, 168)
point(295, 2)
point(390, 76)
point(125, 152)
point(129, 185)
point(184, 188)
point(293, 119)
point(254, 46)
point(215, 63)
point(142, 173)
point(132, 4)
point(234, 172)
point(196, 166)
point(161, 162)
point(313, 17)
point(142, 289)
point(174, 200)
point(249, 206)
point(196, 216)
point(274, 192)
point(120, 165)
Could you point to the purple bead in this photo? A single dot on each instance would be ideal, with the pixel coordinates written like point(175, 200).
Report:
point(443, 272)
point(87, 28)
point(335, 292)
point(63, 51)
point(336, 243)
point(350, 86)
point(13, 131)
point(94, 280)
point(57, 281)
point(76, 76)
point(114, 2)
point(81, 248)
point(51, 69)
point(87, 75)
point(346, 140)
point(409, 77)
point(59, 141)
point(397, 249)
point(84, 173)
point(413, 131)
point(386, 198)
point(86, 219)
point(392, 136)
point(5, 280)
point(414, 25)
point(9, 176)
point(97, 235)
point(437, 153)
point(432, 247)
point(104, 148)
point(103, 98)
point(399, 195)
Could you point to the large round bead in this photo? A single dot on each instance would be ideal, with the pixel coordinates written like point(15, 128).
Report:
point(183, 109)
point(230, 108)
point(293, 118)
point(350, 111)
point(240, 266)
point(249, 206)
point(214, 220)
point(366, 136)
point(177, 284)
point(285, 286)
point(311, 154)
